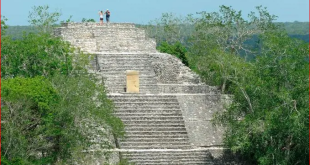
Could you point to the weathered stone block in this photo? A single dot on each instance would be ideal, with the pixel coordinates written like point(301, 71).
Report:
point(132, 81)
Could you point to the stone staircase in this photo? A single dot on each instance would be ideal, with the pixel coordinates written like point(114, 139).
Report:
point(156, 131)
point(152, 121)
point(113, 66)
point(170, 157)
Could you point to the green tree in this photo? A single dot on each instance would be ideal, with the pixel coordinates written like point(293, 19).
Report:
point(50, 102)
point(3, 25)
point(170, 28)
point(35, 54)
point(267, 121)
point(225, 32)
point(42, 19)
point(45, 120)
point(176, 49)
point(88, 20)
point(28, 115)
point(272, 105)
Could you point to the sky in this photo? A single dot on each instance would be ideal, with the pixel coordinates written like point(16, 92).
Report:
point(144, 11)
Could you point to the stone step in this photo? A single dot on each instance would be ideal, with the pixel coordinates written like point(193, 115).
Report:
point(154, 146)
point(148, 110)
point(118, 101)
point(151, 118)
point(172, 162)
point(128, 129)
point(167, 153)
point(156, 136)
point(123, 69)
point(118, 84)
point(169, 158)
point(105, 57)
point(116, 66)
point(122, 89)
point(122, 80)
point(129, 139)
point(148, 102)
point(126, 59)
point(113, 36)
point(125, 108)
point(156, 125)
point(158, 144)
point(122, 83)
point(120, 34)
point(110, 38)
point(123, 55)
point(145, 50)
point(128, 121)
point(123, 77)
point(110, 33)
point(119, 40)
point(142, 85)
point(139, 95)
point(119, 49)
point(154, 132)
point(147, 114)
point(112, 72)
point(146, 106)
point(127, 46)
point(108, 30)
point(119, 64)
point(143, 99)
point(120, 69)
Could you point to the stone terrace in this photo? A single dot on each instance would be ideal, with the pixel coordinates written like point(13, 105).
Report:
point(168, 122)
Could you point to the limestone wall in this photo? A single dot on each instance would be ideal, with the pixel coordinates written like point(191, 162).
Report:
point(170, 70)
point(198, 111)
point(112, 37)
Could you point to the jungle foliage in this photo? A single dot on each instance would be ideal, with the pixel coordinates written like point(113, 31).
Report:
point(49, 98)
point(268, 119)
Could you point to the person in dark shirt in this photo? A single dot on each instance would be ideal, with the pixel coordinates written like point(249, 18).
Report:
point(107, 15)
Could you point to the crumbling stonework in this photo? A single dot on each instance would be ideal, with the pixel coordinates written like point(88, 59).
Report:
point(169, 121)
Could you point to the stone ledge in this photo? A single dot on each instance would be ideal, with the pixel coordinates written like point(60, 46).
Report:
point(95, 24)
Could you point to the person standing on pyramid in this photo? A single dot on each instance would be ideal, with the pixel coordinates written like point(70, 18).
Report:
point(107, 15)
point(101, 17)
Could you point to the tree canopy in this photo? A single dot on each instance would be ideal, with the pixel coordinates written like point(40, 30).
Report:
point(49, 100)
point(268, 119)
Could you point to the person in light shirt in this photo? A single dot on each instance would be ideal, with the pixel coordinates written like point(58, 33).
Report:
point(101, 17)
